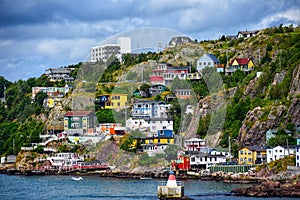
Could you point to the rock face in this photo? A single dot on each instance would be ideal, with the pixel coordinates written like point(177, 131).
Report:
point(252, 130)
point(259, 120)
point(270, 189)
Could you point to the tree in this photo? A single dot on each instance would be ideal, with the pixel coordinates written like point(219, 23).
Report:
point(40, 97)
point(281, 139)
point(223, 38)
point(171, 152)
point(105, 116)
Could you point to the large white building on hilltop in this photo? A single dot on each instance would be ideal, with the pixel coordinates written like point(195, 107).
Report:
point(125, 44)
point(103, 52)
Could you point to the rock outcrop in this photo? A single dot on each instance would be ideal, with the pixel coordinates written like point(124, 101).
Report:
point(270, 189)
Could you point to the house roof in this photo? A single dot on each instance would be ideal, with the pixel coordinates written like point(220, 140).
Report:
point(211, 56)
point(77, 113)
point(255, 148)
point(248, 32)
point(241, 61)
point(195, 140)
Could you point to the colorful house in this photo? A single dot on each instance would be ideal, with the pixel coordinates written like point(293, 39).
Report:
point(112, 101)
point(252, 155)
point(243, 64)
point(154, 145)
point(182, 162)
point(279, 152)
point(183, 93)
point(195, 145)
point(165, 73)
point(157, 89)
point(112, 128)
point(150, 109)
point(207, 60)
point(79, 122)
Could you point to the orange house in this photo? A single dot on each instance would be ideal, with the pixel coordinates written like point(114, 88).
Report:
point(112, 128)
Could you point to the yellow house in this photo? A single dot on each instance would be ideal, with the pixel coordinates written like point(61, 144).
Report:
point(112, 101)
point(252, 155)
point(244, 64)
point(158, 141)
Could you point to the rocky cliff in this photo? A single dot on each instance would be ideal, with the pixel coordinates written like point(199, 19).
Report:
point(277, 115)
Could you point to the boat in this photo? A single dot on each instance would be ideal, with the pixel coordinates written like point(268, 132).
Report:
point(77, 178)
point(145, 178)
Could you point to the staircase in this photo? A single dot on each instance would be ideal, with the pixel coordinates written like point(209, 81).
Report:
point(192, 129)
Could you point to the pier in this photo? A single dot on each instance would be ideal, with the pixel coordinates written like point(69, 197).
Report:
point(231, 168)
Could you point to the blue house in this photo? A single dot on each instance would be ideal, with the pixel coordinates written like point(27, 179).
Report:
point(156, 89)
point(165, 133)
point(208, 60)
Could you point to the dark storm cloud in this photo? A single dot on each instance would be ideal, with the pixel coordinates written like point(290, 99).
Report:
point(35, 34)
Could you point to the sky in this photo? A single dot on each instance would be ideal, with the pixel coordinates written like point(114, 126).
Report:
point(39, 34)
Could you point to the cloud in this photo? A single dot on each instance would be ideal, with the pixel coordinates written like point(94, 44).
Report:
point(59, 32)
point(288, 16)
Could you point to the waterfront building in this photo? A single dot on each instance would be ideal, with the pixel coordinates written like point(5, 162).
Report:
point(279, 152)
point(252, 155)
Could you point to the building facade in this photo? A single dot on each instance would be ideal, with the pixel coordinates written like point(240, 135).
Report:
point(165, 73)
point(252, 155)
point(207, 60)
point(279, 152)
point(247, 34)
point(111, 101)
point(79, 122)
point(103, 52)
point(60, 74)
point(243, 64)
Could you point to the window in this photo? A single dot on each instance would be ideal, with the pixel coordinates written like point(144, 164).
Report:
point(241, 152)
point(204, 63)
point(208, 63)
point(200, 63)
point(192, 159)
point(119, 104)
point(249, 159)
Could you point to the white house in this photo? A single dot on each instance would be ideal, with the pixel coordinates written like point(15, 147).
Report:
point(205, 160)
point(195, 145)
point(279, 152)
point(152, 125)
point(207, 60)
point(150, 109)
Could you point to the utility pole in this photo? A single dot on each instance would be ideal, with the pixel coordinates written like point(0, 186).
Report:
point(229, 148)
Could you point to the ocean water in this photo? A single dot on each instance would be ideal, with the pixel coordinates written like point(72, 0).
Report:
point(94, 187)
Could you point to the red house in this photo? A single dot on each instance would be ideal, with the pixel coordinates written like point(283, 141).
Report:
point(165, 73)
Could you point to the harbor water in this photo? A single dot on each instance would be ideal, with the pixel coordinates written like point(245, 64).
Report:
point(94, 187)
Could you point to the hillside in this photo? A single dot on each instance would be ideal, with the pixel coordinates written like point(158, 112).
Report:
point(249, 105)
